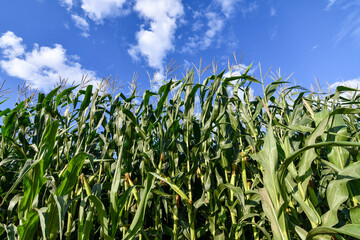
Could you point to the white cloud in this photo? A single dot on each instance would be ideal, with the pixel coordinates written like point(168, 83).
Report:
point(349, 27)
point(228, 6)
point(67, 3)
point(197, 110)
point(314, 47)
point(97, 10)
point(353, 83)
point(330, 3)
point(273, 32)
point(12, 45)
point(197, 26)
point(215, 24)
point(210, 22)
point(354, 4)
point(251, 7)
point(85, 34)
point(272, 11)
point(154, 43)
point(66, 25)
point(81, 23)
point(42, 66)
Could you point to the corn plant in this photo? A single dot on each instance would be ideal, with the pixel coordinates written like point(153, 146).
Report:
point(83, 164)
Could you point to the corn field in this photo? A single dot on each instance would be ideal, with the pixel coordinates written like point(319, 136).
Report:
point(192, 161)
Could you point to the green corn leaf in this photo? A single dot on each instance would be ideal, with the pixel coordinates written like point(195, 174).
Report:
point(101, 212)
point(306, 205)
point(49, 97)
point(43, 218)
point(268, 159)
point(34, 178)
point(236, 190)
point(345, 111)
point(10, 231)
point(86, 101)
point(355, 215)
point(163, 92)
point(25, 169)
point(338, 155)
point(283, 168)
point(352, 230)
point(172, 185)
point(138, 220)
point(63, 95)
point(29, 226)
point(5, 112)
point(114, 207)
point(337, 192)
point(9, 123)
point(271, 213)
point(88, 224)
point(122, 201)
point(345, 89)
point(61, 209)
point(81, 217)
point(32, 184)
point(71, 174)
point(131, 116)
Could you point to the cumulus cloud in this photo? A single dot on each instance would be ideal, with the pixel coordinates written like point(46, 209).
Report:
point(210, 22)
point(97, 10)
point(215, 24)
point(249, 8)
point(228, 6)
point(42, 66)
point(156, 41)
point(81, 23)
point(12, 45)
point(67, 3)
point(353, 83)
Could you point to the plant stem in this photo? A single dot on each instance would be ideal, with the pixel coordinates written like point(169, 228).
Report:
point(176, 203)
point(191, 213)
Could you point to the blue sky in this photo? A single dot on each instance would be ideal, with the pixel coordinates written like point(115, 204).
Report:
point(41, 40)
